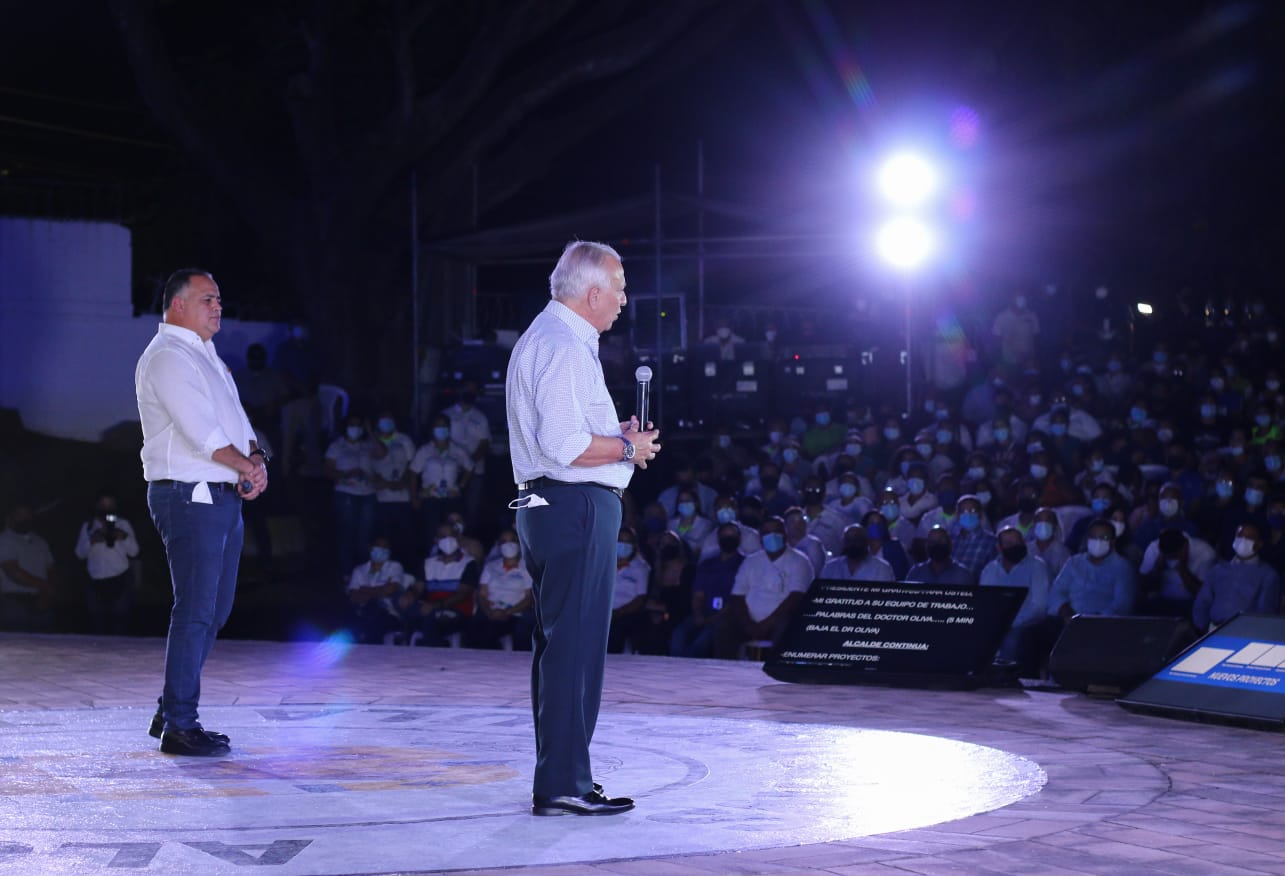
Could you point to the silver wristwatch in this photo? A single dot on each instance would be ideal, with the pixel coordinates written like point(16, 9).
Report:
point(628, 452)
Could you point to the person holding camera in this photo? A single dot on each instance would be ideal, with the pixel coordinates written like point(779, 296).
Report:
point(107, 544)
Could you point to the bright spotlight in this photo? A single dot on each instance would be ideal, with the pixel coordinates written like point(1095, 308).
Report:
point(905, 243)
point(907, 179)
point(1144, 308)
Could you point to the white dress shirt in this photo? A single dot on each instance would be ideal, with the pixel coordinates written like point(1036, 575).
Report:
point(399, 451)
point(812, 548)
point(869, 569)
point(557, 400)
point(469, 428)
point(1201, 557)
point(765, 582)
point(188, 407)
point(631, 582)
point(505, 588)
point(102, 561)
point(440, 470)
point(353, 460)
point(390, 572)
point(695, 533)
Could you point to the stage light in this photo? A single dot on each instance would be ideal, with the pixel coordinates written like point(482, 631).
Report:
point(905, 243)
point(1144, 308)
point(907, 179)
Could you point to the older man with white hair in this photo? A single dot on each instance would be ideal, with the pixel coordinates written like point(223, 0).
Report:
point(571, 461)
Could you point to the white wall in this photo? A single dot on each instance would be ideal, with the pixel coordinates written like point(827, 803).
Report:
point(68, 339)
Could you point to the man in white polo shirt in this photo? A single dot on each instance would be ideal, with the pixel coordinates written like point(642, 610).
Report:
point(200, 461)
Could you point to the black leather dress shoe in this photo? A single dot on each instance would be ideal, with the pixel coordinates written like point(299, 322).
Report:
point(192, 743)
point(158, 726)
point(593, 803)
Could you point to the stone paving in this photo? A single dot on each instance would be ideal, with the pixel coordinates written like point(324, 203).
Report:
point(734, 772)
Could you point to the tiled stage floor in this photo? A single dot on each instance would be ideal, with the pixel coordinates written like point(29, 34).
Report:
point(394, 760)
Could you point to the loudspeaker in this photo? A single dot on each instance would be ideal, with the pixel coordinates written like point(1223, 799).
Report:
point(1114, 654)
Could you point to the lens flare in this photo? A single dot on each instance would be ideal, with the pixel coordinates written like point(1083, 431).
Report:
point(965, 125)
point(907, 179)
point(905, 243)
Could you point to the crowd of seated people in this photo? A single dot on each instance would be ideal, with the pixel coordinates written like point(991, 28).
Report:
point(1111, 484)
point(1121, 477)
point(1133, 479)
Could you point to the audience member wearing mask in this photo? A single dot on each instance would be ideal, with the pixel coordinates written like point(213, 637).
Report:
point(1103, 499)
point(824, 522)
point(442, 605)
point(687, 521)
point(726, 512)
point(633, 576)
point(348, 462)
point(849, 500)
point(854, 562)
point(823, 435)
point(798, 537)
point(440, 473)
point(685, 479)
point(391, 454)
point(1044, 539)
point(769, 586)
point(973, 543)
point(883, 546)
point(1098, 581)
point(939, 568)
point(669, 597)
point(373, 589)
point(1016, 567)
point(1169, 515)
point(1173, 569)
point(712, 587)
point(1242, 584)
point(505, 604)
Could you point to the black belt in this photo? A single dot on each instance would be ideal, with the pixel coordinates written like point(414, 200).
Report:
point(536, 483)
point(215, 486)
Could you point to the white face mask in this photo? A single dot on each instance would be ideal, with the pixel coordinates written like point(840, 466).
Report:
point(1098, 547)
point(509, 549)
point(1244, 548)
point(1168, 507)
point(448, 545)
point(353, 432)
point(1118, 526)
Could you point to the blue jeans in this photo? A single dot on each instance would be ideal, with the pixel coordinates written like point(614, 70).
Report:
point(203, 547)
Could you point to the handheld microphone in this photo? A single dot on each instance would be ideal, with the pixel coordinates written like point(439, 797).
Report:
point(246, 486)
point(643, 376)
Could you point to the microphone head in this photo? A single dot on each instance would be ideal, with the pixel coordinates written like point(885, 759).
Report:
point(643, 374)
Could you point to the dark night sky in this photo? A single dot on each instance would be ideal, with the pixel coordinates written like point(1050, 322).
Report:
point(1116, 142)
